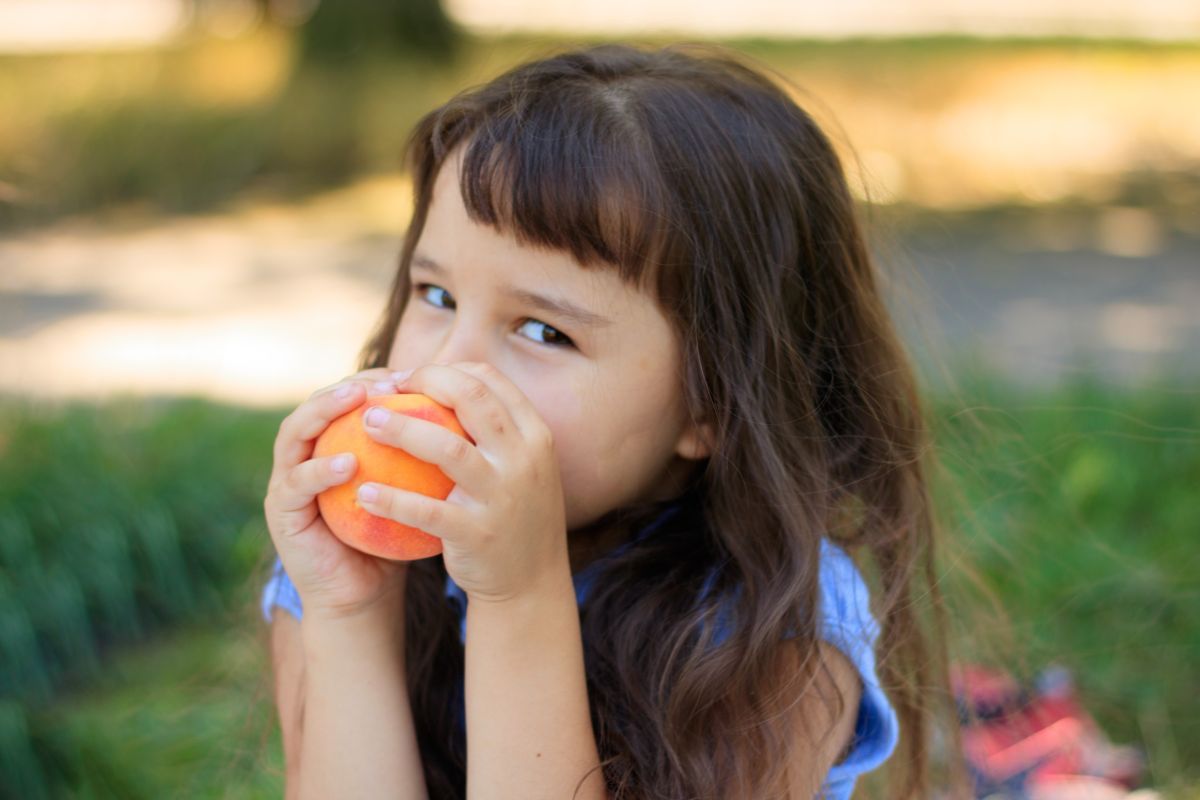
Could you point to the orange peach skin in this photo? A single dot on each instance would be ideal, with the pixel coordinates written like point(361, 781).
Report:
point(381, 463)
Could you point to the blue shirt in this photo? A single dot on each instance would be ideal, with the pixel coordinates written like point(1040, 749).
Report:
point(844, 620)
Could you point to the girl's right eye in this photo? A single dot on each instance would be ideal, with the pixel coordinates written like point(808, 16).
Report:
point(419, 289)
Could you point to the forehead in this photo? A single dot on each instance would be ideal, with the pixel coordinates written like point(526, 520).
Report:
point(481, 253)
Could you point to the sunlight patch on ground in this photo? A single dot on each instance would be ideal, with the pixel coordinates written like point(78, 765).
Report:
point(267, 355)
point(261, 306)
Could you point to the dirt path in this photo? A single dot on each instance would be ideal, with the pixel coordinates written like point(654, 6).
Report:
point(265, 304)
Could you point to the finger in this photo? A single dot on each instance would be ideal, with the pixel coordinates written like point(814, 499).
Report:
point(461, 460)
point(517, 402)
point(480, 410)
point(377, 381)
point(436, 517)
point(299, 430)
point(367, 377)
point(290, 503)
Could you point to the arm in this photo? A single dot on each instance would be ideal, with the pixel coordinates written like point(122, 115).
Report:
point(529, 730)
point(287, 662)
point(343, 706)
point(342, 690)
point(823, 728)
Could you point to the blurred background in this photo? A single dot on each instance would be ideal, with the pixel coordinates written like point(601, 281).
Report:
point(200, 208)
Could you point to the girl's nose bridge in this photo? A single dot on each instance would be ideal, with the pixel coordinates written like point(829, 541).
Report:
point(467, 341)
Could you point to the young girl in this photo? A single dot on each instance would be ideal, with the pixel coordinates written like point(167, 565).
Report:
point(638, 279)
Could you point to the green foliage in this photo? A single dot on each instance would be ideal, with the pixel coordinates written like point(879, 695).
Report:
point(116, 522)
point(133, 529)
point(1079, 510)
point(282, 111)
point(187, 715)
point(182, 138)
point(347, 30)
point(175, 156)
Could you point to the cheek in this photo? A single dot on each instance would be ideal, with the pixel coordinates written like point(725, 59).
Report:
point(561, 408)
point(580, 429)
point(600, 439)
point(408, 349)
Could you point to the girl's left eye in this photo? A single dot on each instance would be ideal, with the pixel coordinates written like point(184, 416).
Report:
point(558, 338)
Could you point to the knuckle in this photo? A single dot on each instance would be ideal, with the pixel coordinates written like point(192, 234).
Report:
point(496, 420)
point(295, 481)
point(485, 369)
point(543, 438)
point(292, 480)
point(477, 390)
point(286, 424)
point(457, 449)
point(327, 391)
point(429, 514)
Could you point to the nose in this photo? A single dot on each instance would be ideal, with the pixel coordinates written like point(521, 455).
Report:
point(463, 343)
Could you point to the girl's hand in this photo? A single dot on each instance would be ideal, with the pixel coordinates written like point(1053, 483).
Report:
point(503, 526)
point(333, 579)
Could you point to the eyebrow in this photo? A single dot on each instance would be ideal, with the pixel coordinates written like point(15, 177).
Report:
point(558, 306)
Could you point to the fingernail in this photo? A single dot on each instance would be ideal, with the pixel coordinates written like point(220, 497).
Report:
point(343, 392)
point(368, 493)
point(402, 375)
point(341, 463)
point(377, 416)
point(384, 387)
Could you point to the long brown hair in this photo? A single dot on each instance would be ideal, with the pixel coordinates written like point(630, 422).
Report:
point(699, 179)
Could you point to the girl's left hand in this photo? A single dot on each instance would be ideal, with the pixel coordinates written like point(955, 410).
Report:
point(503, 525)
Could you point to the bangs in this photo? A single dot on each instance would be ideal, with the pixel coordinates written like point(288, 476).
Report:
point(571, 171)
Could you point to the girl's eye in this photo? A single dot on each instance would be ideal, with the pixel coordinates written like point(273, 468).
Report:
point(557, 337)
point(421, 287)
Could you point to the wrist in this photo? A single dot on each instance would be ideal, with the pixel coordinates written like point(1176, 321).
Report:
point(374, 631)
point(552, 601)
point(385, 601)
point(551, 586)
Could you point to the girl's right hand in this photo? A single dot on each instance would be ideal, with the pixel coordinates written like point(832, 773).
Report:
point(332, 579)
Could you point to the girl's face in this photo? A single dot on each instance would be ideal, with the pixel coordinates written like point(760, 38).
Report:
point(606, 379)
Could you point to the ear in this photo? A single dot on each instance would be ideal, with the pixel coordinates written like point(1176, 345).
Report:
point(695, 442)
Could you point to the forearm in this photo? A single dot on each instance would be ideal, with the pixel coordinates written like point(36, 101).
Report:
point(529, 731)
point(359, 740)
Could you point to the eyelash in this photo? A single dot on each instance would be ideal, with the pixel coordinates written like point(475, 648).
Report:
point(419, 289)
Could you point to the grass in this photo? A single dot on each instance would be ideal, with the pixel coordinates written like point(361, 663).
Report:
point(185, 715)
point(1079, 510)
point(1077, 507)
point(118, 523)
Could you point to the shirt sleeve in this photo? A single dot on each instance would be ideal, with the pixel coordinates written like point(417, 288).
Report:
point(846, 622)
point(280, 591)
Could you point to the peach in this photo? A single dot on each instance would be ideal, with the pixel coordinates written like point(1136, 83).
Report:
point(392, 466)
